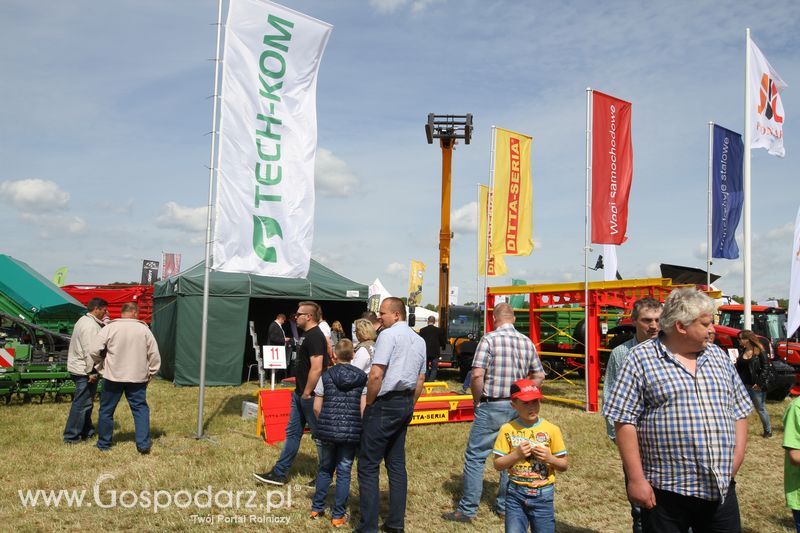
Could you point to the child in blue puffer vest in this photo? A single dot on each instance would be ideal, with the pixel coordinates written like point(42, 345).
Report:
point(339, 404)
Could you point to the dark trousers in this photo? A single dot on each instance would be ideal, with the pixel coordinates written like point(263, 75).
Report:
point(383, 438)
point(675, 513)
point(79, 421)
point(136, 394)
point(433, 369)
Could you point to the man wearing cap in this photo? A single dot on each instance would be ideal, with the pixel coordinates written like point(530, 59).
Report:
point(680, 415)
point(395, 382)
point(503, 356)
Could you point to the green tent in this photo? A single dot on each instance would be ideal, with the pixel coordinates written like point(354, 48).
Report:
point(235, 299)
point(26, 293)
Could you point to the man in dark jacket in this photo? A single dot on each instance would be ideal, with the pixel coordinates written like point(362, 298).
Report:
point(339, 400)
point(434, 344)
point(275, 335)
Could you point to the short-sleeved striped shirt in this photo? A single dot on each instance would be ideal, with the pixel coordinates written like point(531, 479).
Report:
point(507, 356)
point(685, 423)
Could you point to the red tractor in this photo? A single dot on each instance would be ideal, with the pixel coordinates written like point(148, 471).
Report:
point(769, 323)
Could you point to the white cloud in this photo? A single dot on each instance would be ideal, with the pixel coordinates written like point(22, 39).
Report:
point(33, 193)
point(395, 268)
point(332, 175)
point(465, 218)
point(53, 226)
point(188, 219)
point(387, 6)
point(653, 270)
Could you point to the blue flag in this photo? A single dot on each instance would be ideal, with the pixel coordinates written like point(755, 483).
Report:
point(727, 193)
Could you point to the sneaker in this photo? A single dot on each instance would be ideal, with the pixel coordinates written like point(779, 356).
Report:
point(316, 515)
point(767, 434)
point(271, 478)
point(339, 522)
point(143, 451)
point(458, 516)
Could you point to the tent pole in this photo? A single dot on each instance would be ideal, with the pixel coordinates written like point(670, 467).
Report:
point(209, 236)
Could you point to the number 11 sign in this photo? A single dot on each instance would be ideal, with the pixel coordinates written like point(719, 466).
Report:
point(274, 356)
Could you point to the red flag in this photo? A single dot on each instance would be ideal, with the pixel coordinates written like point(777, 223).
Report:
point(612, 168)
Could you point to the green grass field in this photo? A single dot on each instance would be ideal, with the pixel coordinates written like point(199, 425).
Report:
point(590, 496)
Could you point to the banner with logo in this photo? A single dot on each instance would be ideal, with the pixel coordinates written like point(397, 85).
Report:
point(60, 276)
point(727, 192)
point(497, 265)
point(172, 265)
point(512, 195)
point(415, 276)
point(453, 297)
point(765, 106)
point(793, 318)
point(517, 301)
point(267, 140)
point(612, 168)
point(149, 272)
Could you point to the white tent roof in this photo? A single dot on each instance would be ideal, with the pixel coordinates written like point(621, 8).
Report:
point(421, 313)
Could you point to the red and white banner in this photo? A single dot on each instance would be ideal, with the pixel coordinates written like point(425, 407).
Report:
point(172, 265)
point(765, 105)
point(6, 358)
point(612, 168)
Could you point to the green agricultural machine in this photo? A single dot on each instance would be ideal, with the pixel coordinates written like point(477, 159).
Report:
point(33, 361)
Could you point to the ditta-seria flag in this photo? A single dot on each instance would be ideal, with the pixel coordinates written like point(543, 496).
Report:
point(612, 168)
point(268, 140)
point(415, 276)
point(497, 265)
point(512, 195)
point(765, 105)
point(726, 192)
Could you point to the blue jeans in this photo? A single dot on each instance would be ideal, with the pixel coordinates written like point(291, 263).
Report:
point(796, 516)
point(759, 398)
point(532, 507)
point(383, 438)
point(489, 416)
point(136, 394)
point(79, 421)
point(301, 414)
point(336, 457)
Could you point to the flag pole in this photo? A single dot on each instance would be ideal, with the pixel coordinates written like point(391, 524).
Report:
point(209, 236)
point(586, 233)
point(746, 187)
point(489, 202)
point(708, 210)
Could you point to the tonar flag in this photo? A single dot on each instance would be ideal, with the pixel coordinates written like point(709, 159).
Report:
point(727, 193)
point(793, 320)
point(512, 195)
point(172, 265)
point(612, 168)
point(415, 276)
point(497, 265)
point(268, 140)
point(765, 106)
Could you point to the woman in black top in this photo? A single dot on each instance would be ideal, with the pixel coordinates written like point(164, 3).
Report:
point(749, 365)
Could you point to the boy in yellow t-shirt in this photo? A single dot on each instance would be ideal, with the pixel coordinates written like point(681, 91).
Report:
point(531, 449)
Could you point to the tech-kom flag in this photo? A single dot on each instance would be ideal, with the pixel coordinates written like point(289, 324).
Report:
point(497, 265)
point(727, 192)
point(512, 195)
point(267, 140)
point(765, 106)
point(415, 275)
point(612, 168)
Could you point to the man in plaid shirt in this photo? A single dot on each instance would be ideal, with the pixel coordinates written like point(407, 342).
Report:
point(503, 356)
point(680, 414)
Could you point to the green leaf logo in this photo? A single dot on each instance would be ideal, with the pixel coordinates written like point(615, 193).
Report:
point(264, 228)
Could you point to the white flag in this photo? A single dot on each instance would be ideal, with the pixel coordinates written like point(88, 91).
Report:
point(268, 140)
point(609, 262)
point(765, 106)
point(794, 284)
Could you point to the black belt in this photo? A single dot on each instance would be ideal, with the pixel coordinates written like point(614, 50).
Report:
point(394, 393)
point(493, 399)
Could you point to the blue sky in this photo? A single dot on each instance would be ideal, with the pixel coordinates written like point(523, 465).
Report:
point(104, 142)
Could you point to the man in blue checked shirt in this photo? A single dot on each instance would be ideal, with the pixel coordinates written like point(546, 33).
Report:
point(503, 357)
point(680, 414)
